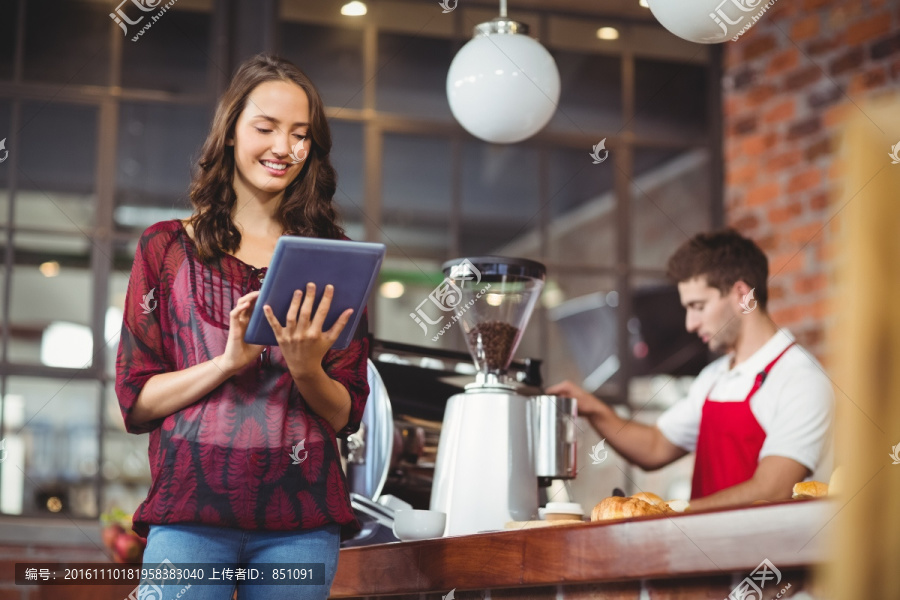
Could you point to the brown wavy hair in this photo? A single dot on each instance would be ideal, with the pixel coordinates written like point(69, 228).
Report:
point(724, 258)
point(307, 207)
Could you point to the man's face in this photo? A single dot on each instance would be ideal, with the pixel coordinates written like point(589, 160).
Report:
point(711, 315)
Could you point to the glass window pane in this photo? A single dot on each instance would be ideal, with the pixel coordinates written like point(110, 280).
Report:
point(50, 301)
point(51, 433)
point(403, 285)
point(347, 160)
point(500, 200)
point(670, 99)
point(57, 164)
point(115, 307)
point(67, 41)
point(417, 194)
point(5, 131)
point(671, 199)
point(10, 11)
point(125, 469)
point(583, 209)
point(590, 97)
point(331, 57)
point(158, 145)
point(412, 75)
point(171, 55)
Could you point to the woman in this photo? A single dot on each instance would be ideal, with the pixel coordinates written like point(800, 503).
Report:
point(243, 453)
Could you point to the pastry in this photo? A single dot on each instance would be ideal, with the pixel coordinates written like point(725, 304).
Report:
point(651, 498)
point(617, 507)
point(810, 489)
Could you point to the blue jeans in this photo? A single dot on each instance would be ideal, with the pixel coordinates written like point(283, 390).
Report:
point(223, 547)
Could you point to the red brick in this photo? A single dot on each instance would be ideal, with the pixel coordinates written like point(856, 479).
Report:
point(847, 61)
point(760, 94)
point(885, 47)
point(809, 5)
point(820, 201)
point(784, 160)
point(806, 180)
point(868, 29)
point(895, 70)
point(819, 309)
point(741, 176)
point(762, 194)
point(822, 45)
point(757, 144)
point(744, 125)
point(782, 111)
point(802, 78)
point(804, 128)
point(818, 149)
point(776, 292)
point(759, 46)
point(810, 283)
point(783, 61)
point(789, 315)
point(805, 28)
point(805, 234)
point(783, 214)
point(871, 79)
point(746, 223)
point(837, 115)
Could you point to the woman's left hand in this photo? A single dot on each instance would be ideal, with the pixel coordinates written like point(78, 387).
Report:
point(302, 340)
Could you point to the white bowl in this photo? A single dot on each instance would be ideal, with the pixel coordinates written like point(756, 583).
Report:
point(419, 524)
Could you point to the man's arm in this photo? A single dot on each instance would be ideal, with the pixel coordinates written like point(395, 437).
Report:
point(773, 479)
point(643, 445)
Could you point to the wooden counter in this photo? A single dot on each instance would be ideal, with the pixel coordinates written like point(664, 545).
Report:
point(701, 555)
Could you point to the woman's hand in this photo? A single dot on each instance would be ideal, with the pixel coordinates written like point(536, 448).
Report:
point(238, 353)
point(302, 341)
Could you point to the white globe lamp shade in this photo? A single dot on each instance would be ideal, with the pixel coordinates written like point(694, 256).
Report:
point(706, 21)
point(503, 86)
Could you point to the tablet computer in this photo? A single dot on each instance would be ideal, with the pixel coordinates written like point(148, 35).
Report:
point(351, 267)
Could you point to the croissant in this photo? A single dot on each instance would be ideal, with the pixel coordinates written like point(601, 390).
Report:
point(617, 507)
point(651, 498)
point(810, 489)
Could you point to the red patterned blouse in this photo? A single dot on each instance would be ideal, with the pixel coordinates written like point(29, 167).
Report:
point(251, 454)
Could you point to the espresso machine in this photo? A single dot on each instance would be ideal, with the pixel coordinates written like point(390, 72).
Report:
point(496, 444)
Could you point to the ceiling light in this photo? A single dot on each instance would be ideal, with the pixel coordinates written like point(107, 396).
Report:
point(392, 289)
point(503, 86)
point(354, 9)
point(49, 268)
point(644, 4)
point(608, 33)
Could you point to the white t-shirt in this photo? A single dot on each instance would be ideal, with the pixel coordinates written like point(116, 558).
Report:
point(794, 406)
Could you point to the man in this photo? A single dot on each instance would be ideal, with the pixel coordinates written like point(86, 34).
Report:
point(759, 418)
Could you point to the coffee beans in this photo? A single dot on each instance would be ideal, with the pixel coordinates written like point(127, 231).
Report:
point(497, 342)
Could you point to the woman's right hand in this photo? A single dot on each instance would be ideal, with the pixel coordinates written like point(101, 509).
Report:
point(238, 353)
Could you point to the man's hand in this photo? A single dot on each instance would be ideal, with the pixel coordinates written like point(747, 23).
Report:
point(588, 404)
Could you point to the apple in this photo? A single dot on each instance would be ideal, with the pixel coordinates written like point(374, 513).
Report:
point(110, 533)
point(128, 548)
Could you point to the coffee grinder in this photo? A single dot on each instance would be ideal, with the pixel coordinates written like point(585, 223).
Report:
point(485, 474)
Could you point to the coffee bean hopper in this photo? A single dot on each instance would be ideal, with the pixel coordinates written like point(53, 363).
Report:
point(486, 473)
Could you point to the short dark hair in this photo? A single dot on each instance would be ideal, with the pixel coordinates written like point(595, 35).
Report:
point(724, 258)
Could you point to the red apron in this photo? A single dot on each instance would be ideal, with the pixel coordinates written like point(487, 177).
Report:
point(729, 441)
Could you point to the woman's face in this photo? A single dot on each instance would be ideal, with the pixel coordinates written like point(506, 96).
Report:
point(269, 138)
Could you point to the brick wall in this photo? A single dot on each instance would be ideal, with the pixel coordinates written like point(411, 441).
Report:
point(790, 83)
